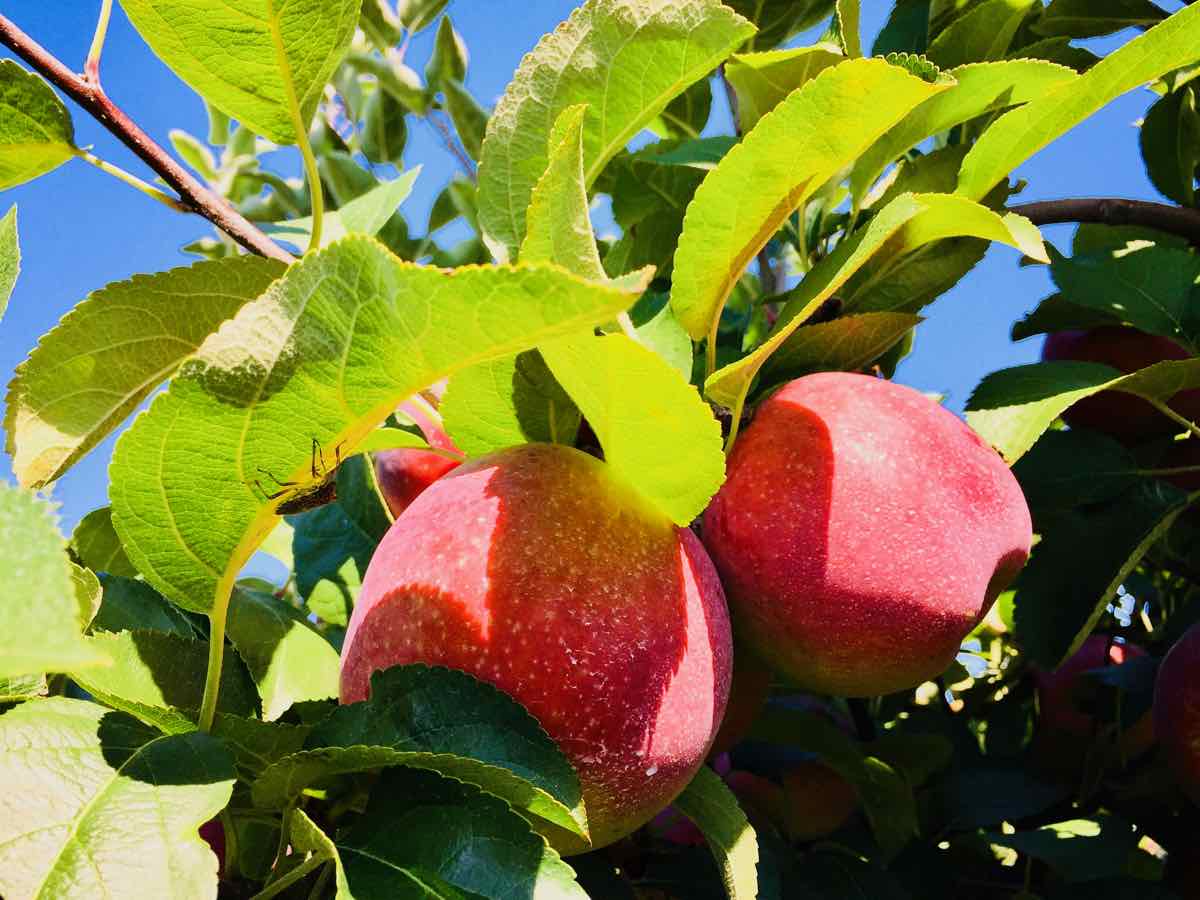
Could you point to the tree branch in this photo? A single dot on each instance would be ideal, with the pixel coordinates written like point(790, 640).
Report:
point(1179, 220)
point(91, 97)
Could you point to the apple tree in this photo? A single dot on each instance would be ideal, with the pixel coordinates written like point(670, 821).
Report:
point(615, 563)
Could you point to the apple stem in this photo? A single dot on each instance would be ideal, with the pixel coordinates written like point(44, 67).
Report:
point(1176, 417)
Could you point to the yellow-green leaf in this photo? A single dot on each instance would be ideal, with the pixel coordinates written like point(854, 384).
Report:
point(762, 80)
point(1022, 132)
point(36, 134)
point(792, 152)
point(714, 810)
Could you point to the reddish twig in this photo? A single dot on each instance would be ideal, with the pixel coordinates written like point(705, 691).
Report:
point(91, 97)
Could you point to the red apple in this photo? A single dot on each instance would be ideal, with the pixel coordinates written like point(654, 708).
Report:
point(1125, 417)
point(1177, 711)
point(748, 694)
point(1065, 725)
point(538, 570)
point(861, 533)
point(816, 802)
point(403, 473)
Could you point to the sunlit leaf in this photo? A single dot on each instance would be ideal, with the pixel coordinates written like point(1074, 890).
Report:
point(36, 134)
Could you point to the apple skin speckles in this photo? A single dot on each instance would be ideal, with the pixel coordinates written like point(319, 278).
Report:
point(536, 570)
point(861, 533)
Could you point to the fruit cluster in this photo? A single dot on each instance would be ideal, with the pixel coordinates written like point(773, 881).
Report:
point(862, 532)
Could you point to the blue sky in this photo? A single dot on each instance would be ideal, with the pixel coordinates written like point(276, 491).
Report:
point(81, 229)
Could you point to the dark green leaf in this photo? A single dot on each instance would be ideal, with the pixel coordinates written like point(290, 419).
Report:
point(687, 114)
point(906, 30)
point(449, 59)
point(1170, 141)
point(1093, 18)
point(288, 659)
point(127, 604)
point(384, 132)
point(447, 840)
point(1056, 313)
point(977, 797)
point(844, 344)
point(778, 20)
point(835, 874)
point(1073, 468)
point(714, 810)
point(1075, 571)
point(440, 719)
point(97, 546)
point(1079, 849)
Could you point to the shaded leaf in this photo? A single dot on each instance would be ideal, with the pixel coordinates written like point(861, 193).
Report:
point(384, 131)
point(714, 810)
point(1079, 849)
point(100, 805)
point(1093, 18)
point(96, 545)
point(981, 34)
point(1056, 313)
point(288, 659)
point(843, 345)
point(1170, 141)
point(444, 720)
point(778, 20)
point(1073, 468)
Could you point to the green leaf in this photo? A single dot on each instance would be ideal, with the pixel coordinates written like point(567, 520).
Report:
point(326, 354)
point(365, 214)
point(730, 385)
point(1057, 50)
point(39, 622)
point(1170, 141)
point(1150, 288)
point(1066, 469)
point(455, 841)
point(308, 839)
point(1022, 132)
point(980, 88)
point(469, 118)
point(95, 543)
point(10, 257)
point(687, 114)
point(906, 30)
point(86, 587)
point(991, 793)
point(508, 401)
point(126, 604)
point(36, 134)
point(849, 27)
point(444, 720)
point(700, 153)
point(21, 688)
point(1075, 571)
point(907, 223)
point(1011, 408)
point(1079, 849)
point(763, 79)
point(384, 132)
point(657, 433)
point(448, 61)
point(832, 872)
point(559, 229)
point(159, 678)
point(792, 152)
point(1093, 18)
point(274, 55)
point(417, 15)
point(1056, 313)
point(288, 659)
point(982, 34)
point(99, 805)
point(349, 528)
point(256, 744)
point(886, 796)
point(843, 345)
point(663, 334)
point(194, 153)
point(106, 356)
point(778, 20)
point(714, 810)
point(394, 77)
point(647, 52)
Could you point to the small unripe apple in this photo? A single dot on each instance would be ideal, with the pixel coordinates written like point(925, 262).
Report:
point(861, 533)
point(1177, 711)
point(1125, 417)
point(538, 570)
point(1066, 726)
point(817, 801)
